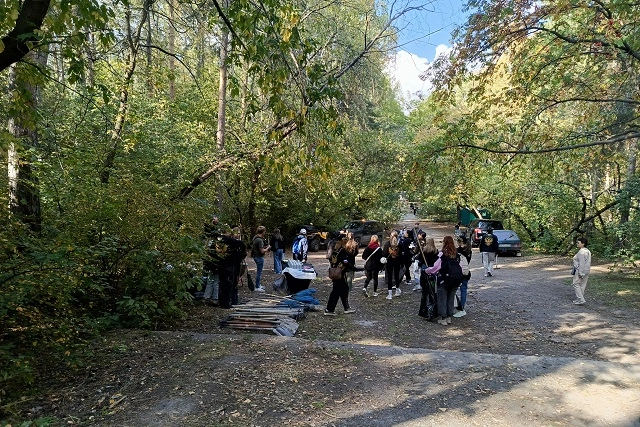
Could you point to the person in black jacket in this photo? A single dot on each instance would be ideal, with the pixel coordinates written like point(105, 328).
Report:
point(228, 253)
point(406, 250)
point(340, 291)
point(489, 249)
point(464, 250)
point(277, 247)
point(391, 251)
point(372, 266)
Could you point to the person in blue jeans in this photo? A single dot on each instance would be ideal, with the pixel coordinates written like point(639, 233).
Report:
point(258, 249)
point(464, 250)
point(277, 247)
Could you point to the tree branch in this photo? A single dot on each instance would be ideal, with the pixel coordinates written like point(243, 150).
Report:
point(23, 36)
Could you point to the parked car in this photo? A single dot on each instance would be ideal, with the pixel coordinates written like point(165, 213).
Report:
point(508, 242)
point(479, 227)
point(317, 237)
point(363, 230)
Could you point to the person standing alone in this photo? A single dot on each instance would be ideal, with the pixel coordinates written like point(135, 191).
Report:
point(258, 249)
point(489, 249)
point(582, 268)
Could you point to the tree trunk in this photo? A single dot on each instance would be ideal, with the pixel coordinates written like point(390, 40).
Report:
point(116, 133)
point(222, 99)
point(24, 36)
point(172, 50)
point(24, 191)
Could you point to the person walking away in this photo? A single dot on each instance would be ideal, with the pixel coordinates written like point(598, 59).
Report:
point(352, 249)
point(406, 254)
point(340, 289)
point(582, 268)
point(449, 278)
point(277, 247)
point(210, 262)
point(489, 249)
point(258, 249)
point(372, 266)
point(391, 251)
point(300, 247)
point(464, 250)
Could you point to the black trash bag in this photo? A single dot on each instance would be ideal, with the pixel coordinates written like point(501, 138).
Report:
point(428, 302)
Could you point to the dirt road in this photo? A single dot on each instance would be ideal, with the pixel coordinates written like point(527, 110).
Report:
point(524, 355)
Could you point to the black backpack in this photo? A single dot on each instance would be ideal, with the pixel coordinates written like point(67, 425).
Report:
point(450, 271)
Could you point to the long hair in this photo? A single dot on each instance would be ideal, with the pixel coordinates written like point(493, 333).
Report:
point(449, 247)
point(393, 239)
point(277, 235)
point(430, 246)
point(352, 245)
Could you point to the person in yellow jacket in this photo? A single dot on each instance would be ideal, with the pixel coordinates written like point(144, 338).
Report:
point(581, 270)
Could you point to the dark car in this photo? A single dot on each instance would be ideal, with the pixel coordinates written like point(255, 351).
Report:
point(479, 227)
point(363, 230)
point(317, 237)
point(508, 242)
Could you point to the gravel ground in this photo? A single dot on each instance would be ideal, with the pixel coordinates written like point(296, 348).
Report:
point(524, 355)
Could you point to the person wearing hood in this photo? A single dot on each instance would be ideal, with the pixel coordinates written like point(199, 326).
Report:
point(372, 266)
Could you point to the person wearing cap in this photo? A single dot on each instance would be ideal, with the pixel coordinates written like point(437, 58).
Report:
point(489, 248)
point(300, 246)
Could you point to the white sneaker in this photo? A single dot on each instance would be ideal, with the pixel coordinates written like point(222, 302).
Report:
point(260, 289)
point(460, 313)
point(417, 288)
point(375, 294)
point(398, 292)
point(389, 296)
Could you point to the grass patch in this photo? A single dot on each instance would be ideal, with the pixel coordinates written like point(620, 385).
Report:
point(615, 289)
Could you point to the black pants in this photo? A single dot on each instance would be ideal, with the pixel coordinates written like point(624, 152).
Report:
point(393, 274)
point(228, 291)
point(369, 276)
point(407, 269)
point(340, 291)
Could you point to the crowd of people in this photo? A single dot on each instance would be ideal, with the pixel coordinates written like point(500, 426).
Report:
point(407, 258)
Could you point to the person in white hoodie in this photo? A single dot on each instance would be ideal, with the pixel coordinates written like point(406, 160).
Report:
point(581, 270)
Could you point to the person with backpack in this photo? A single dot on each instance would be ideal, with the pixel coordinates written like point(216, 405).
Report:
point(258, 249)
point(450, 276)
point(372, 266)
point(464, 251)
point(489, 249)
point(391, 251)
point(277, 247)
point(340, 291)
point(300, 246)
